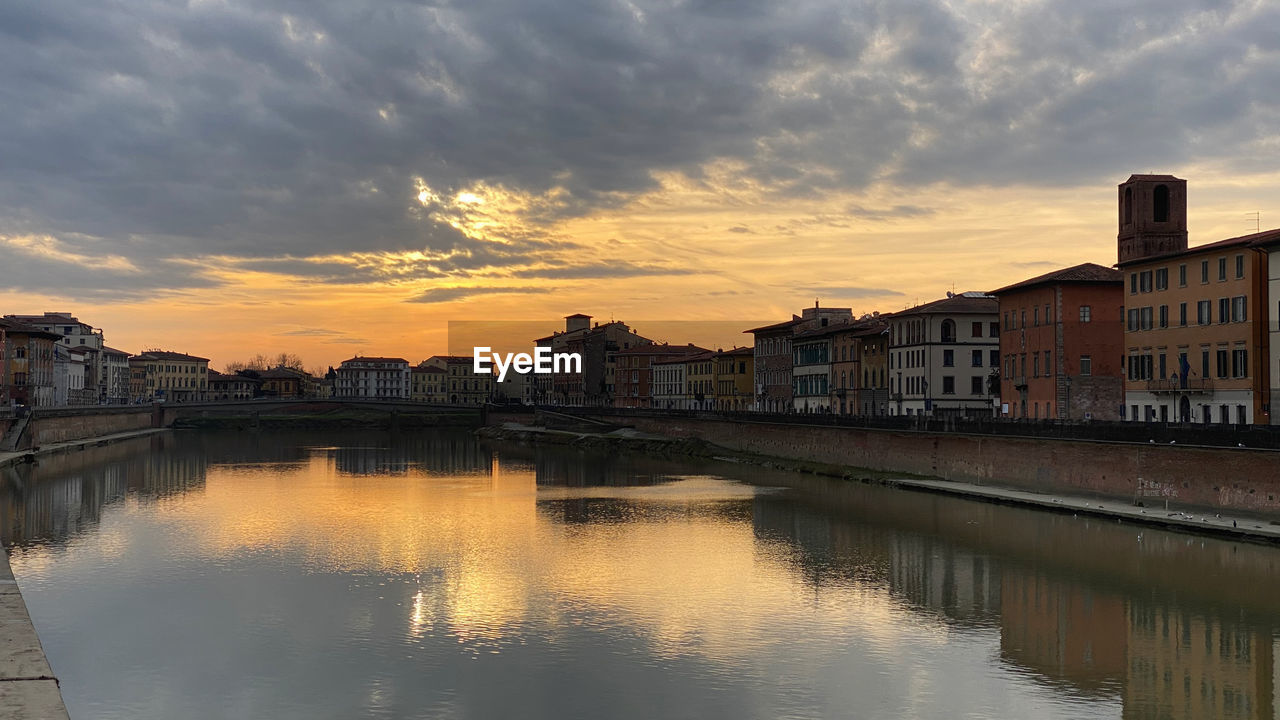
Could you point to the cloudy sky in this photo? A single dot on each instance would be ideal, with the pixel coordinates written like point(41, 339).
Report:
point(328, 177)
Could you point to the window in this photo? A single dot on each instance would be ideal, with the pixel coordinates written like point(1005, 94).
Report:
point(1204, 362)
point(1086, 365)
point(977, 358)
point(1222, 362)
point(1204, 312)
point(1086, 313)
point(1239, 363)
point(948, 358)
point(1239, 266)
point(1047, 364)
point(1204, 271)
point(1160, 204)
point(1164, 316)
point(1133, 320)
point(1035, 316)
point(975, 385)
point(1182, 276)
point(1048, 316)
point(1146, 318)
point(948, 385)
point(1024, 318)
point(1238, 309)
point(1224, 310)
point(1182, 314)
point(1035, 364)
point(1222, 269)
point(995, 329)
point(995, 358)
point(1133, 283)
point(976, 330)
point(1162, 279)
point(1163, 368)
point(1128, 206)
point(1144, 281)
point(948, 331)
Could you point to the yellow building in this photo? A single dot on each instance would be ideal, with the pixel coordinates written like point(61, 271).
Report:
point(428, 384)
point(172, 376)
point(735, 374)
point(464, 385)
point(700, 380)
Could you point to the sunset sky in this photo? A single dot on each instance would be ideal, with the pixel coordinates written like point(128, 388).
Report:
point(332, 177)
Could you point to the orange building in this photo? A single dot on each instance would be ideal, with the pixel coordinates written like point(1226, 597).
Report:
point(1195, 341)
point(1061, 341)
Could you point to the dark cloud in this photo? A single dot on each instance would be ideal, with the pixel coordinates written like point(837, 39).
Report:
point(281, 130)
point(449, 294)
point(602, 270)
point(889, 213)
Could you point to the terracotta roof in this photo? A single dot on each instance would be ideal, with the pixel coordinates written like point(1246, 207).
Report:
point(663, 349)
point(1151, 177)
point(577, 315)
point(1082, 273)
point(113, 351)
point(10, 325)
point(966, 302)
point(167, 355)
point(375, 359)
point(426, 369)
point(777, 326)
point(1265, 238)
point(737, 352)
point(1258, 239)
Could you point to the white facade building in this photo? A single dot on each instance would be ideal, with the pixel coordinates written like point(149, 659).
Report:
point(373, 378)
point(942, 355)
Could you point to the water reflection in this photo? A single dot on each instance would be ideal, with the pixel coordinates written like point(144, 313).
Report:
point(406, 575)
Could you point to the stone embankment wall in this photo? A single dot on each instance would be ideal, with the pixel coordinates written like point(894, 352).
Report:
point(1239, 479)
point(52, 426)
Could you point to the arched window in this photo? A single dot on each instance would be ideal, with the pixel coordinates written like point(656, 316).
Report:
point(948, 331)
point(1160, 209)
point(1127, 207)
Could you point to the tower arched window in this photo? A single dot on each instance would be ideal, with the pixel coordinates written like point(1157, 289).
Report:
point(1127, 206)
point(1160, 204)
point(948, 331)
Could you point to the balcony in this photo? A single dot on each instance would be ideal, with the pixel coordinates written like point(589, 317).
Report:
point(1180, 385)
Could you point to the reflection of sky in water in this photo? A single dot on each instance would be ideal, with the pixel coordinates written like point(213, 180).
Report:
point(340, 582)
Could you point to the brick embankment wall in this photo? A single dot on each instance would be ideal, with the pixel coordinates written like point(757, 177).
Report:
point(63, 425)
point(1224, 478)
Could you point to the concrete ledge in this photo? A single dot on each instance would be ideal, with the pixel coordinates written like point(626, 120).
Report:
point(28, 688)
point(20, 456)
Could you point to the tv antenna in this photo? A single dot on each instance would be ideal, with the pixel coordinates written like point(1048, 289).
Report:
point(1257, 221)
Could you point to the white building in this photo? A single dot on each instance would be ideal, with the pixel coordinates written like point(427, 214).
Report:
point(373, 378)
point(115, 376)
point(942, 355)
point(669, 385)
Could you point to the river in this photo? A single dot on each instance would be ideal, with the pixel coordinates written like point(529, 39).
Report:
point(434, 575)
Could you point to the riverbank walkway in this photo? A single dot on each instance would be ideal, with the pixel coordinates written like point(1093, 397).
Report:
point(28, 689)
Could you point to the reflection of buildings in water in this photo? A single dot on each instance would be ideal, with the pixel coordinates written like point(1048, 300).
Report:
point(563, 469)
point(163, 474)
point(33, 507)
point(920, 570)
point(1062, 631)
point(429, 452)
point(931, 573)
point(1187, 665)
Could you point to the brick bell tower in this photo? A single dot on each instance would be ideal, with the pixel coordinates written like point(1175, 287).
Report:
point(1153, 217)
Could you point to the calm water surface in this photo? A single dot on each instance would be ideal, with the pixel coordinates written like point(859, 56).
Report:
point(434, 576)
